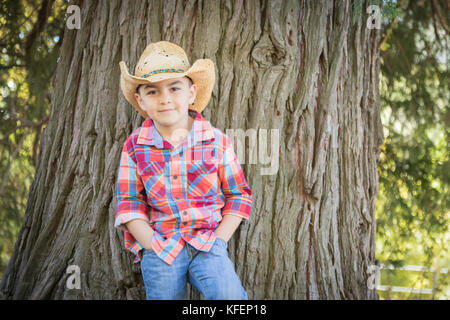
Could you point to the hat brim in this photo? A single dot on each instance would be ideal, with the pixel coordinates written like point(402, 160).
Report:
point(202, 73)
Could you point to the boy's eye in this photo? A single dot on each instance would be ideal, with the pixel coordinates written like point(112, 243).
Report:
point(153, 91)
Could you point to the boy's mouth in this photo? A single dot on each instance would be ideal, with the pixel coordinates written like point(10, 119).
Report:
point(166, 110)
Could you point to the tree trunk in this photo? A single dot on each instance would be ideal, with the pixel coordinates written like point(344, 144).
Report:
point(300, 67)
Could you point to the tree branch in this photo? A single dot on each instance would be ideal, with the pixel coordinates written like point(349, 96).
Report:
point(24, 123)
point(4, 67)
point(437, 9)
point(43, 15)
point(389, 28)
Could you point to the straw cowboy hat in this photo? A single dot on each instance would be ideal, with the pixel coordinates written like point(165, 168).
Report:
point(164, 60)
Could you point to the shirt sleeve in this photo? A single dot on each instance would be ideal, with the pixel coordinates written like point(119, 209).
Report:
point(131, 197)
point(238, 194)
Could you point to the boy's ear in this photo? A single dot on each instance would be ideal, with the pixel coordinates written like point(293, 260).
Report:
point(138, 98)
point(193, 90)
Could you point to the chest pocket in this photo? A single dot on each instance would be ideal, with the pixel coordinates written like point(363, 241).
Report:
point(202, 179)
point(152, 175)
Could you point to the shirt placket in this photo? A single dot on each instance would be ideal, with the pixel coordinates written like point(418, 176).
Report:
point(176, 165)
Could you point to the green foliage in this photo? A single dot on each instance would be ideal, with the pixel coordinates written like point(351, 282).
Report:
point(413, 202)
point(29, 47)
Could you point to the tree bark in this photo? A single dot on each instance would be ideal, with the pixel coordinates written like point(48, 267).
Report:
point(300, 67)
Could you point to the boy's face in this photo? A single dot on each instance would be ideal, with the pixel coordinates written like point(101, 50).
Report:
point(167, 101)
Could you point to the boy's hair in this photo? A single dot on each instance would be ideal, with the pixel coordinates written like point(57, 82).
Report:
point(190, 84)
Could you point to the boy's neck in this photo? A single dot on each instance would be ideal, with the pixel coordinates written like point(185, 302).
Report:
point(166, 132)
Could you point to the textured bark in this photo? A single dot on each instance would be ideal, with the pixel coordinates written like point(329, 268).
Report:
point(298, 66)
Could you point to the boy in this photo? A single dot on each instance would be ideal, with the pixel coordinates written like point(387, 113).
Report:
point(181, 191)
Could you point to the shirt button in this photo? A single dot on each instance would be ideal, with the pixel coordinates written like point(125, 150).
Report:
point(185, 223)
point(184, 212)
point(175, 177)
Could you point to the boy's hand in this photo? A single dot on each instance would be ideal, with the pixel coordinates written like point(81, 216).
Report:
point(227, 227)
point(142, 232)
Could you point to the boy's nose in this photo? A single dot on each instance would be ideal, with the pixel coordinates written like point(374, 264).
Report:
point(164, 98)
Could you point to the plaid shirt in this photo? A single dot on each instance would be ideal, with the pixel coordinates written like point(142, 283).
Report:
point(182, 192)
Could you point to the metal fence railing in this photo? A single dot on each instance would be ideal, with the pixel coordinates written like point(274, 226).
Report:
point(410, 289)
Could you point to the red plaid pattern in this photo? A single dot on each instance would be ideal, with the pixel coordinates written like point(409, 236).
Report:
point(182, 193)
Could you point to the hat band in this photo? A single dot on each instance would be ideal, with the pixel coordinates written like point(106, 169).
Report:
point(162, 71)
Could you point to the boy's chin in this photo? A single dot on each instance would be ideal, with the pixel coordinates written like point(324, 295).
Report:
point(167, 120)
point(164, 123)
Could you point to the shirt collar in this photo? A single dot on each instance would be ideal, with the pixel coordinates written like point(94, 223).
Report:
point(201, 130)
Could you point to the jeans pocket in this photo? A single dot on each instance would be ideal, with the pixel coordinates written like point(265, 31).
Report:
point(147, 251)
point(221, 242)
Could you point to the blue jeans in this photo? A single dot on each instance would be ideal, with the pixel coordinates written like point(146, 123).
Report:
point(211, 273)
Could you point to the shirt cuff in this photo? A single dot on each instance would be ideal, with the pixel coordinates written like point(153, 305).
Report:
point(123, 218)
point(238, 206)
